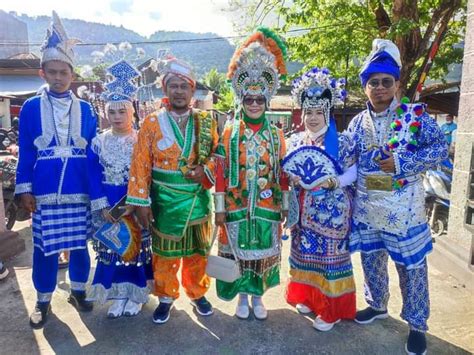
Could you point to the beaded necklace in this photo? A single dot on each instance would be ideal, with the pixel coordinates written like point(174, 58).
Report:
point(399, 133)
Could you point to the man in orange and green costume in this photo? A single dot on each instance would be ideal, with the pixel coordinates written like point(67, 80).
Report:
point(170, 177)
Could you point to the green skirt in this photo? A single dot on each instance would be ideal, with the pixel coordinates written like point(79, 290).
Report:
point(196, 240)
point(257, 277)
point(258, 247)
point(181, 211)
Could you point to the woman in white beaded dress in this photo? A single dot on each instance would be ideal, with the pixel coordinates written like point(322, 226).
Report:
point(118, 278)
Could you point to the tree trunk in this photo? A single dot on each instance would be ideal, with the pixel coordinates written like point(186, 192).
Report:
point(413, 45)
point(408, 44)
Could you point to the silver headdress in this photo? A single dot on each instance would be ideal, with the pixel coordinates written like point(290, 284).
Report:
point(57, 45)
point(258, 65)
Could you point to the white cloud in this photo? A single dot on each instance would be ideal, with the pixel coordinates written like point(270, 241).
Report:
point(142, 16)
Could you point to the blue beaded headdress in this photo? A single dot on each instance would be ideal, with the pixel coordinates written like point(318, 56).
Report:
point(122, 87)
point(317, 88)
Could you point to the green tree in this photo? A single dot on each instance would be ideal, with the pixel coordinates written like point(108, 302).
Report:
point(226, 99)
point(100, 71)
point(338, 34)
point(214, 80)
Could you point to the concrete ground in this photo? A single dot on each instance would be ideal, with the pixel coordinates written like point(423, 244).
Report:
point(285, 331)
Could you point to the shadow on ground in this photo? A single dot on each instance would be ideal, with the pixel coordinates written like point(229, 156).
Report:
point(285, 331)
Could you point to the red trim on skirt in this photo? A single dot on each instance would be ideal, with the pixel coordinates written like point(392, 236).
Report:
point(329, 308)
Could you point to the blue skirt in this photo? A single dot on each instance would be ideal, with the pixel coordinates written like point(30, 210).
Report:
point(121, 281)
point(61, 227)
point(409, 250)
point(116, 279)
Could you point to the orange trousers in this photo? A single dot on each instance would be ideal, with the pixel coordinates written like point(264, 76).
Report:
point(193, 276)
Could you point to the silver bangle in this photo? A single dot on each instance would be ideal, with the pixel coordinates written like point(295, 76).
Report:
point(219, 202)
point(285, 203)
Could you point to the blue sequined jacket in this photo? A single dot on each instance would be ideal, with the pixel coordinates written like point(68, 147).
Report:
point(54, 173)
point(417, 145)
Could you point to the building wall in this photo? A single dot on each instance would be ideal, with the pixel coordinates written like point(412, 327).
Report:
point(13, 30)
point(459, 237)
point(5, 121)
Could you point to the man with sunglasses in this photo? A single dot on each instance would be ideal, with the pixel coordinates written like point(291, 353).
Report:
point(393, 143)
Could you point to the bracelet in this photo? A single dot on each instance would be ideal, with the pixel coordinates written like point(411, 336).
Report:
point(333, 183)
point(285, 203)
point(219, 202)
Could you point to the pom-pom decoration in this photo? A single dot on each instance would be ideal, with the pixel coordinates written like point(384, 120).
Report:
point(419, 110)
point(393, 143)
point(396, 125)
point(411, 146)
point(398, 184)
point(415, 127)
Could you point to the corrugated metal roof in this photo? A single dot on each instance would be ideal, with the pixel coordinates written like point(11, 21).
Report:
point(20, 63)
point(19, 85)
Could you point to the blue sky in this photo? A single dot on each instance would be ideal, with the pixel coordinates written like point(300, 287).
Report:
point(142, 16)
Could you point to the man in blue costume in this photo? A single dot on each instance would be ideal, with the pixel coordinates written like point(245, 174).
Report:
point(55, 129)
point(393, 143)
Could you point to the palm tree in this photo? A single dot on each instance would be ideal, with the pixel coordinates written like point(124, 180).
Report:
point(214, 80)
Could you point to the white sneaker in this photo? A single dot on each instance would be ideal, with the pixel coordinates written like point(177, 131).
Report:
point(259, 310)
point(3, 272)
point(323, 326)
point(132, 308)
point(116, 309)
point(301, 308)
point(242, 311)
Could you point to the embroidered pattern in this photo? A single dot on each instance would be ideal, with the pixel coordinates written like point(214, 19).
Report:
point(115, 153)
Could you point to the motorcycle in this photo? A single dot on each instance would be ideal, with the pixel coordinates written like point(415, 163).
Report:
point(8, 137)
point(437, 184)
point(13, 210)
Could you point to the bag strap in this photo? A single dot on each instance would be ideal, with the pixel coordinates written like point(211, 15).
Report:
point(214, 237)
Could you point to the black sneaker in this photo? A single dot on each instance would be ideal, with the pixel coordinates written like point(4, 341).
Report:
point(369, 314)
point(40, 315)
point(162, 313)
point(203, 306)
point(78, 300)
point(416, 343)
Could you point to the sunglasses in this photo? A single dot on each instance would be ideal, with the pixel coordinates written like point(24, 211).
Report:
point(250, 100)
point(387, 83)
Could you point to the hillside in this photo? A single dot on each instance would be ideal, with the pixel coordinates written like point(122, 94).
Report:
point(203, 50)
point(204, 55)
